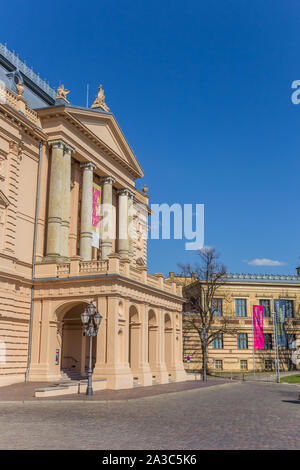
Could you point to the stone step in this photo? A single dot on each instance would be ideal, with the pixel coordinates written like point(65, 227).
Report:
point(69, 388)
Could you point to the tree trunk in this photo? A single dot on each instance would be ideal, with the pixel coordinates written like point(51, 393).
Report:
point(204, 361)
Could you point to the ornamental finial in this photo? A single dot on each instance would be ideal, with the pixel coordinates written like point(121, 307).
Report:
point(99, 101)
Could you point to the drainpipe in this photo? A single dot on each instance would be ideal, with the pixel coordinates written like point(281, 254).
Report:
point(33, 264)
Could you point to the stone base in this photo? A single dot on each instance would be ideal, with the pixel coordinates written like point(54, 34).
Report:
point(116, 378)
point(11, 379)
point(161, 375)
point(42, 375)
point(178, 374)
point(50, 259)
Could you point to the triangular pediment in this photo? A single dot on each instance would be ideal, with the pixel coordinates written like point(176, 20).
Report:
point(105, 127)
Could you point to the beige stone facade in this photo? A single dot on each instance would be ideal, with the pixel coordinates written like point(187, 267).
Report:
point(236, 297)
point(49, 159)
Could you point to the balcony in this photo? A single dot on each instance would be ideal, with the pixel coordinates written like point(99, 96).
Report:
point(113, 266)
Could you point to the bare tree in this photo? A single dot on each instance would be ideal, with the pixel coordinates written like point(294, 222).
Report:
point(199, 310)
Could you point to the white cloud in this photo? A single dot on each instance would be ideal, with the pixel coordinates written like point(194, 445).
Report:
point(265, 262)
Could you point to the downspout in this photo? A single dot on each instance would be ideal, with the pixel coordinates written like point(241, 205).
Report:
point(33, 264)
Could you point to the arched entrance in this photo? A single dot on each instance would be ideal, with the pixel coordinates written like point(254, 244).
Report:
point(168, 341)
point(75, 346)
point(152, 340)
point(134, 339)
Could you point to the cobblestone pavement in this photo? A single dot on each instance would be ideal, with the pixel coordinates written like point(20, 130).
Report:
point(230, 416)
point(25, 391)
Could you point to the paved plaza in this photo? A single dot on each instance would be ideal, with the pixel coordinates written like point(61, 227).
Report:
point(225, 416)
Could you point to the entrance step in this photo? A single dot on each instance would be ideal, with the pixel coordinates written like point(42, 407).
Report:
point(69, 387)
point(71, 374)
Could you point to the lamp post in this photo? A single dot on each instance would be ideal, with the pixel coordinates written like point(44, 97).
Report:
point(91, 321)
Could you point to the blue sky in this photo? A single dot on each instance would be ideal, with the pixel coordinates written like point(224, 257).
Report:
point(202, 91)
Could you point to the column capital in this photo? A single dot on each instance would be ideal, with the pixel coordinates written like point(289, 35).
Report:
point(59, 143)
point(88, 165)
point(107, 179)
point(124, 192)
point(130, 194)
point(69, 149)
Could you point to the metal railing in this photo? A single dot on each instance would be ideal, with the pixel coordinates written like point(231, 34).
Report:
point(21, 66)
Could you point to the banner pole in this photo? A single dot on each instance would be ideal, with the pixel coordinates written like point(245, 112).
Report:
point(253, 351)
point(275, 346)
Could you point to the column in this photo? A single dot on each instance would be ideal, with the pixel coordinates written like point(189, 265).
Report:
point(55, 201)
point(107, 217)
point(123, 222)
point(130, 225)
point(66, 183)
point(86, 211)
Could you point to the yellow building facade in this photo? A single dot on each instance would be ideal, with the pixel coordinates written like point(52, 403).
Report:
point(234, 300)
point(52, 155)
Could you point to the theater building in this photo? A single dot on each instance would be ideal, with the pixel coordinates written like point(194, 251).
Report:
point(60, 165)
point(234, 300)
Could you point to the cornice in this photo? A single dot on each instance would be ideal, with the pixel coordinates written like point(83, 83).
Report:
point(17, 119)
point(108, 278)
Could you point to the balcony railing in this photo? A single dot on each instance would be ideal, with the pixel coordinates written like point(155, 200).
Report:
point(114, 265)
point(12, 100)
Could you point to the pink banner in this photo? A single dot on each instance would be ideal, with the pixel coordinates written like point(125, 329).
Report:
point(258, 326)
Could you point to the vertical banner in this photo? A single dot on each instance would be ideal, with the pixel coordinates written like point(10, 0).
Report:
point(279, 317)
point(96, 215)
point(258, 327)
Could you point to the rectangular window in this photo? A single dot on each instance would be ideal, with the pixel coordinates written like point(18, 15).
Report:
point(217, 343)
point(217, 307)
point(289, 308)
point(267, 307)
point(240, 307)
point(268, 364)
point(242, 341)
point(244, 365)
point(268, 341)
point(219, 364)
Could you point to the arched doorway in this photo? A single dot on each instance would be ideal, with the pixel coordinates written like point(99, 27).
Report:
point(152, 340)
point(134, 338)
point(75, 346)
point(168, 341)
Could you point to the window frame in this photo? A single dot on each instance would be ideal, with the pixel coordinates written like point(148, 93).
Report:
point(240, 341)
point(242, 308)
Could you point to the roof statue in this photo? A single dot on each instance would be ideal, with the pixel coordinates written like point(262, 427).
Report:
point(20, 88)
point(99, 101)
point(62, 93)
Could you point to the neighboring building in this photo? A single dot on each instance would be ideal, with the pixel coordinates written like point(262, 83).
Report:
point(52, 157)
point(234, 300)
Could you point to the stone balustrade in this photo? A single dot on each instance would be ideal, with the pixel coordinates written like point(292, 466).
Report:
point(113, 265)
point(20, 104)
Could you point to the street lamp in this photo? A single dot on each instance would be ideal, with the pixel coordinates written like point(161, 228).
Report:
point(91, 321)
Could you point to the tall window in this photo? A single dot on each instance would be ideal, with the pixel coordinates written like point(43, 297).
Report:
point(219, 364)
point(267, 307)
point(217, 343)
point(242, 341)
point(217, 307)
point(268, 341)
point(244, 364)
point(289, 308)
point(240, 307)
point(268, 364)
point(290, 339)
